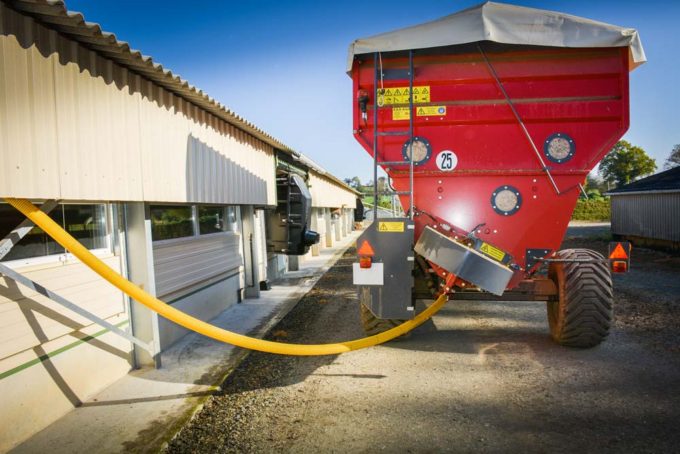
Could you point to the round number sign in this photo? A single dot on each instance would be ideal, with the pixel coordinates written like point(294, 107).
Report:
point(447, 160)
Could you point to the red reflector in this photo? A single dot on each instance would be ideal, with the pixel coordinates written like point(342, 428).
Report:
point(365, 262)
point(619, 252)
point(366, 249)
point(619, 266)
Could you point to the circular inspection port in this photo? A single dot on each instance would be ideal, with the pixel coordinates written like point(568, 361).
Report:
point(506, 200)
point(418, 148)
point(559, 148)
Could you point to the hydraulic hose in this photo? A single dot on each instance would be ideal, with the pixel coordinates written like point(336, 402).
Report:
point(62, 237)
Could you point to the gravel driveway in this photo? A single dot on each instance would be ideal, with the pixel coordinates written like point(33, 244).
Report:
point(482, 376)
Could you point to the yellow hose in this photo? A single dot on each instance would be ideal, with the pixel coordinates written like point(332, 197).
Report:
point(62, 237)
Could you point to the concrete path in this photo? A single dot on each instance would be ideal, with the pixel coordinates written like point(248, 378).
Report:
point(143, 410)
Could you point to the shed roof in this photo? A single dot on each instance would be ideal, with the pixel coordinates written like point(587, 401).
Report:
point(507, 24)
point(662, 181)
point(54, 14)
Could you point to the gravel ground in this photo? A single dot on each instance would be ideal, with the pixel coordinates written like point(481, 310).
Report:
point(482, 376)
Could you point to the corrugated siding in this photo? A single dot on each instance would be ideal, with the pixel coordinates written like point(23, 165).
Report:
point(28, 319)
point(326, 193)
point(184, 263)
point(77, 126)
point(647, 215)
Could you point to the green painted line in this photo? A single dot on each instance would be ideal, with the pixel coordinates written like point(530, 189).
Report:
point(58, 351)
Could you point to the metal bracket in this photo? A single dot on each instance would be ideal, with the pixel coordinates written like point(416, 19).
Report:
point(534, 256)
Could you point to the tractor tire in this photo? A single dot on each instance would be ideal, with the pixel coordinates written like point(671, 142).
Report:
point(370, 323)
point(583, 314)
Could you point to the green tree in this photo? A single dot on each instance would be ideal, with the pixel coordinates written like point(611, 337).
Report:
point(673, 159)
point(625, 163)
point(354, 182)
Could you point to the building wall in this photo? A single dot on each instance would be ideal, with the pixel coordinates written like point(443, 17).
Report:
point(652, 215)
point(327, 193)
point(198, 275)
point(89, 129)
point(51, 359)
point(206, 303)
point(76, 126)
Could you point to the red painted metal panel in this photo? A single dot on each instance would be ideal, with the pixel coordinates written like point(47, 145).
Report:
point(582, 93)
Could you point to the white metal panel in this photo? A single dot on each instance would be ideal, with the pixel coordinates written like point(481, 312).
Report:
point(28, 319)
point(368, 276)
point(184, 263)
point(28, 127)
point(327, 193)
point(98, 120)
point(82, 127)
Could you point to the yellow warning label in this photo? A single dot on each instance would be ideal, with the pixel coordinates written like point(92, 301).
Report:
point(492, 252)
point(400, 95)
point(390, 226)
point(400, 113)
point(429, 111)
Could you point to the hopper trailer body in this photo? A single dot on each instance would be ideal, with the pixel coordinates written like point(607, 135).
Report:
point(487, 128)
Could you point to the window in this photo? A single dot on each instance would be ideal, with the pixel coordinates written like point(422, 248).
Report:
point(214, 219)
point(169, 221)
point(87, 223)
point(211, 220)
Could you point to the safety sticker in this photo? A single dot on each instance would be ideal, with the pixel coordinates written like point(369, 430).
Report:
point(430, 111)
point(492, 252)
point(403, 113)
point(400, 95)
point(386, 226)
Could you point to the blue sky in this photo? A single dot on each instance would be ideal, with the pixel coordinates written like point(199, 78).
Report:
point(281, 64)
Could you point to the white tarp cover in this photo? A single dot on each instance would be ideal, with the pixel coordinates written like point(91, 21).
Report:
point(507, 24)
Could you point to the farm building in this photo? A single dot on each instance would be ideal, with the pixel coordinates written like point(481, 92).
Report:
point(647, 211)
point(163, 183)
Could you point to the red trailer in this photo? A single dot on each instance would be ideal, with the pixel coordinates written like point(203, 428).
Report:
point(486, 122)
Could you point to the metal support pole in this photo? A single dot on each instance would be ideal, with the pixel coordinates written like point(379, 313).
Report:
point(410, 131)
point(375, 136)
point(519, 119)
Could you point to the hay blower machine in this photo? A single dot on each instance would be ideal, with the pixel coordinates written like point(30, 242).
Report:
point(486, 123)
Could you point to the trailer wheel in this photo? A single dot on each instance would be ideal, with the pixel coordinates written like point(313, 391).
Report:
point(583, 314)
point(373, 325)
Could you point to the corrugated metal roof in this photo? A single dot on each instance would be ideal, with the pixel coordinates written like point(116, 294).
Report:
point(54, 14)
point(662, 181)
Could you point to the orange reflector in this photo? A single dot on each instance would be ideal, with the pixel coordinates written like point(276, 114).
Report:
point(365, 262)
point(619, 256)
point(618, 252)
point(619, 266)
point(366, 249)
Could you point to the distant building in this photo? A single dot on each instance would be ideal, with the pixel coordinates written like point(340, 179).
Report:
point(647, 211)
